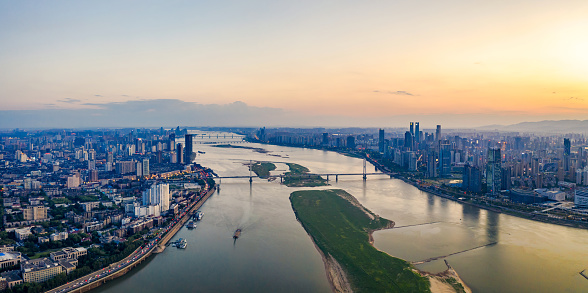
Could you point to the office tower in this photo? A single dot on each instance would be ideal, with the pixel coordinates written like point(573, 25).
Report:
point(325, 138)
point(432, 164)
point(493, 166)
point(412, 128)
point(417, 132)
point(180, 154)
point(408, 140)
point(472, 179)
point(438, 133)
point(351, 142)
point(567, 147)
point(381, 141)
point(444, 158)
point(506, 174)
point(567, 153)
point(519, 144)
point(139, 169)
point(145, 167)
point(172, 142)
point(188, 149)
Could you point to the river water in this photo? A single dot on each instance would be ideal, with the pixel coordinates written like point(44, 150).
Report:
point(274, 253)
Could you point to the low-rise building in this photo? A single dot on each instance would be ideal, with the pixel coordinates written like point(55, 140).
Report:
point(39, 270)
point(12, 278)
point(58, 236)
point(9, 259)
point(22, 234)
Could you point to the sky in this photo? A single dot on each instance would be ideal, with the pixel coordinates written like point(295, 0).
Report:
point(359, 63)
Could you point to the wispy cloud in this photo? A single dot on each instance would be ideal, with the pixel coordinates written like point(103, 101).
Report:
point(69, 101)
point(100, 96)
point(399, 93)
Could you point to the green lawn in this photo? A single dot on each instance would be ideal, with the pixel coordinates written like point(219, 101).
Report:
point(262, 169)
point(341, 229)
point(298, 177)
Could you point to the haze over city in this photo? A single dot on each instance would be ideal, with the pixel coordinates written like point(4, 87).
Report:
point(305, 63)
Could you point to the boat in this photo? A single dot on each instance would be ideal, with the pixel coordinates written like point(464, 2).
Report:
point(191, 225)
point(237, 233)
point(182, 243)
point(198, 216)
point(201, 152)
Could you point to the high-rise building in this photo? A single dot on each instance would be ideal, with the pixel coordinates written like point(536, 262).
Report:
point(146, 167)
point(93, 175)
point(412, 128)
point(351, 142)
point(35, 213)
point(438, 133)
point(381, 141)
point(472, 179)
point(158, 194)
point(188, 149)
point(408, 140)
point(567, 153)
point(432, 164)
point(493, 168)
point(417, 132)
point(444, 158)
point(172, 142)
point(180, 154)
point(325, 138)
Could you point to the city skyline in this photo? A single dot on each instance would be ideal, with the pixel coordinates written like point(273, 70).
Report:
point(323, 62)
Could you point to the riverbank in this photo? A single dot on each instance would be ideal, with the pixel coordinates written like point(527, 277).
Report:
point(341, 229)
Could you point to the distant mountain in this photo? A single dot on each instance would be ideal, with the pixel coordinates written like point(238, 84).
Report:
point(547, 126)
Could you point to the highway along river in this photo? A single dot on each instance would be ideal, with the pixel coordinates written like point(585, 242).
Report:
point(274, 253)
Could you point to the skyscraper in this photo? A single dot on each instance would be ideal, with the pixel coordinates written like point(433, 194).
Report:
point(351, 142)
point(472, 179)
point(438, 133)
point(188, 149)
point(381, 142)
point(417, 132)
point(145, 167)
point(172, 142)
point(408, 140)
point(180, 154)
point(412, 128)
point(444, 158)
point(493, 168)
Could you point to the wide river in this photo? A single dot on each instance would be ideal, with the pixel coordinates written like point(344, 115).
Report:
point(274, 253)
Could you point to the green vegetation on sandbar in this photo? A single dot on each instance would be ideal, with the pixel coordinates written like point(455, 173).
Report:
point(297, 169)
point(341, 229)
point(262, 169)
point(298, 177)
point(230, 146)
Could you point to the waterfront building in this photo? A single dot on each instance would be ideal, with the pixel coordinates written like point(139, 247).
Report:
point(351, 142)
point(493, 168)
point(180, 154)
point(381, 141)
point(581, 197)
point(188, 149)
point(444, 158)
point(472, 179)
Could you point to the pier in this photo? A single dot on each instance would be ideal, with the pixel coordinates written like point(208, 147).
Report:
point(444, 256)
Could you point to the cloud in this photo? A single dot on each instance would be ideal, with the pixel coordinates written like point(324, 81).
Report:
point(100, 96)
point(69, 101)
point(400, 93)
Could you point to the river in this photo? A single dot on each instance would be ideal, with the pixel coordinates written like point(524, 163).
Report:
point(274, 253)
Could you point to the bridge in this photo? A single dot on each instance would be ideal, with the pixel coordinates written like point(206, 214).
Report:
point(364, 174)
